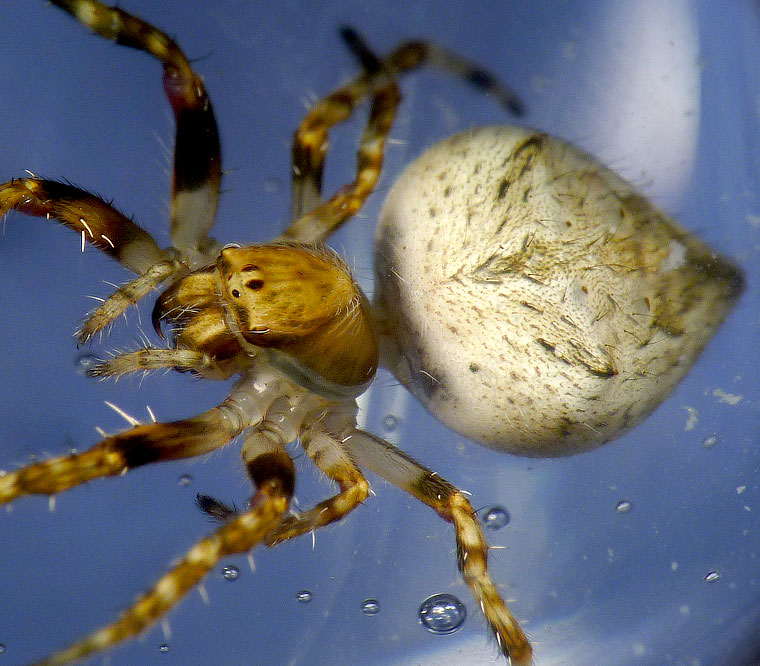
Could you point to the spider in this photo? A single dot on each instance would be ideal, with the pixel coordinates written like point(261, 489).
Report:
point(612, 303)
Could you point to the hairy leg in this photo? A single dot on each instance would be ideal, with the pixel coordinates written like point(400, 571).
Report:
point(102, 226)
point(117, 454)
point(127, 295)
point(330, 456)
point(239, 535)
point(245, 407)
point(472, 550)
point(268, 465)
point(197, 155)
point(319, 222)
point(149, 358)
point(310, 141)
point(97, 222)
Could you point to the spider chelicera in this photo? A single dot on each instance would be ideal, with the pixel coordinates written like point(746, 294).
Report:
point(528, 296)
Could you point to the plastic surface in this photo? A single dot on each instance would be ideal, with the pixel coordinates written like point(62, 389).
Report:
point(665, 93)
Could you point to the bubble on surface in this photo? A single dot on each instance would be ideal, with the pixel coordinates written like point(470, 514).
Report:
point(230, 572)
point(370, 606)
point(390, 423)
point(185, 479)
point(163, 648)
point(2, 648)
point(86, 362)
point(709, 442)
point(304, 596)
point(272, 185)
point(30, 455)
point(442, 613)
point(495, 518)
point(623, 506)
point(712, 577)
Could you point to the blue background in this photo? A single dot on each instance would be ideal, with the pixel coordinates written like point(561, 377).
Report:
point(667, 93)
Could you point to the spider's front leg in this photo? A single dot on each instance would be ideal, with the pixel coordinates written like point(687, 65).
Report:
point(315, 222)
point(310, 140)
point(197, 154)
point(196, 181)
point(97, 222)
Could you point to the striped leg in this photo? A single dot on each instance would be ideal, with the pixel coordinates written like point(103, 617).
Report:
point(330, 456)
point(271, 470)
point(97, 222)
point(315, 222)
point(245, 407)
point(413, 54)
point(239, 535)
point(310, 141)
point(197, 155)
point(101, 225)
point(127, 295)
point(394, 465)
point(149, 358)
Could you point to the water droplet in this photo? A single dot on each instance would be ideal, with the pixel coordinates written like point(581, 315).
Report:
point(709, 442)
point(442, 613)
point(624, 506)
point(163, 648)
point(272, 184)
point(185, 479)
point(495, 518)
point(304, 596)
point(230, 572)
point(31, 455)
point(85, 362)
point(712, 577)
point(370, 606)
point(390, 423)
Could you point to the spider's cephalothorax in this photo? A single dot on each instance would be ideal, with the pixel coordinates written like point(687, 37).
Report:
point(299, 302)
point(528, 296)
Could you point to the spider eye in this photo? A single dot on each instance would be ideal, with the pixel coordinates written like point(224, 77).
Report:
point(235, 293)
point(255, 285)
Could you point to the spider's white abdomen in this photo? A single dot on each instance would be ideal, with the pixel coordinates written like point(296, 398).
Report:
point(535, 301)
